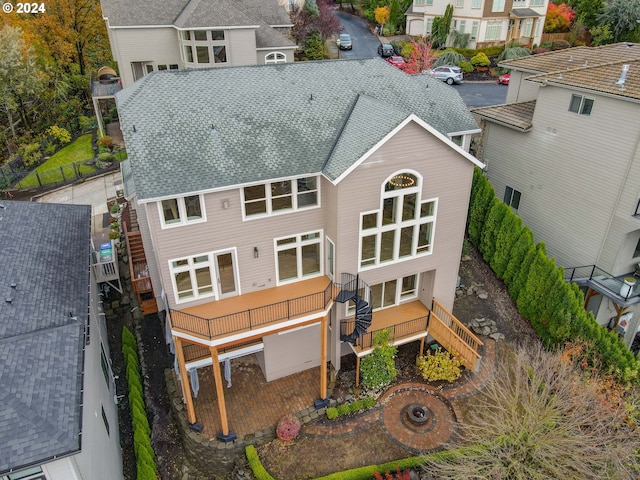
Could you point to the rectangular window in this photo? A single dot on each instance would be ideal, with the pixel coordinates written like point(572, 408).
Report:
point(512, 197)
point(519, 3)
point(162, 68)
point(217, 35)
point(202, 54)
point(192, 277)
point(419, 3)
point(182, 210)
point(636, 253)
point(429, 26)
point(474, 30)
point(498, 6)
point(528, 26)
point(581, 105)
point(476, 3)
point(219, 54)
point(188, 54)
point(200, 35)
point(494, 30)
point(459, 3)
point(463, 26)
point(429, 3)
point(537, 3)
point(104, 419)
point(173, 66)
point(280, 197)
point(104, 364)
point(299, 256)
point(390, 293)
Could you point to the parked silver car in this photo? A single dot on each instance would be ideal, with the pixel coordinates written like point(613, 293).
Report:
point(447, 73)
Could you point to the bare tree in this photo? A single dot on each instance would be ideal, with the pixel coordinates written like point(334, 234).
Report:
point(539, 418)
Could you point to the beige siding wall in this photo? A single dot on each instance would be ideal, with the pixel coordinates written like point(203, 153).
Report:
point(224, 229)
point(569, 170)
point(291, 352)
point(242, 46)
point(150, 252)
point(159, 45)
point(521, 90)
point(446, 176)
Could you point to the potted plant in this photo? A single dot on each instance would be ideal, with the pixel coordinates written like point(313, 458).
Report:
point(627, 286)
point(115, 210)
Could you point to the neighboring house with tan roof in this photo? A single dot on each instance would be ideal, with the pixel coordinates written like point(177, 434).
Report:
point(147, 36)
point(58, 402)
point(487, 22)
point(565, 154)
point(292, 220)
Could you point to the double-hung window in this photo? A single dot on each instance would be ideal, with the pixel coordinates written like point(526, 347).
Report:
point(192, 277)
point(181, 210)
point(494, 30)
point(512, 197)
point(299, 256)
point(581, 105)
point(402, 228)
point(476, 3)
point(280, 197)
point(498, 6)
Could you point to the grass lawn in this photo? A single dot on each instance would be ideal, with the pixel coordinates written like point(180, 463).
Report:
point(62, 161)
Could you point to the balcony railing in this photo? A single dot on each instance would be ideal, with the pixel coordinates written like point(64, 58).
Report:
point(252, 318)
point(398, 331)
point(605, 283)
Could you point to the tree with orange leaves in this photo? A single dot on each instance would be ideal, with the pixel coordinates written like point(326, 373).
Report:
point(559, 18)
point(420, 56)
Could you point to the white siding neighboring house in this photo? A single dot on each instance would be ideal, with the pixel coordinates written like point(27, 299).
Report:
point(488, 22)
point(58, 416)
point(263, 206)
point(565, 154)
point(147, 36)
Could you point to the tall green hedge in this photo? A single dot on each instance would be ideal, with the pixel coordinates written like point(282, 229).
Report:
point(145, 463)
point(554, 308)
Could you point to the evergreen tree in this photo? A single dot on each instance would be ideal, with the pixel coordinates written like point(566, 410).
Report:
point(479, 208)
point(491, 228)
point(508, 234)
point(517, 255)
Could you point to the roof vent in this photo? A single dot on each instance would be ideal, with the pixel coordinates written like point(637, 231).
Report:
point(14, 285)
point(586, 63)
point(2, 206)
point(623, 75)
point(9, 300)
point(560, 76)
point(571, 58)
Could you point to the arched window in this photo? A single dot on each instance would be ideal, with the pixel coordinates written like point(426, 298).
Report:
point(403, 227)
point(275, 57)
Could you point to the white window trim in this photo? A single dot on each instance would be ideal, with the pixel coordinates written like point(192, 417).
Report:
point(476, 3)
point(276, 59)
point(331, 262)
point(215, 295)
point(202, 43)
point(398, 226)
point(182, 211)
point(398, 299)
point(298, 244)
point(498, 6)
point(294, 199)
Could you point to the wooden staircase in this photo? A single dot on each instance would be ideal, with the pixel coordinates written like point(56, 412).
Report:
point(138, 266)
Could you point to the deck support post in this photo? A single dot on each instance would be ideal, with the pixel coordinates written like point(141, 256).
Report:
point(619, 312)
point(422, 346)
point(357, 371)
point(184, 379)
point(322, 401)
point(590, 293)
point(224, 435)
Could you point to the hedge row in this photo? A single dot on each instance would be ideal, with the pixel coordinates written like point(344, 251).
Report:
point(353, 407)
point(554, 307)
point(145, 463)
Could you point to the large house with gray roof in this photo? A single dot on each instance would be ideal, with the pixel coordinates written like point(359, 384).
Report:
point(484, 22)
point(292, 219)
point(148, 36)
point(58, 416)
point(564, 152)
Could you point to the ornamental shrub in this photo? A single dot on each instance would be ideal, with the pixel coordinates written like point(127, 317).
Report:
point(105, 157)
point(128, 338)
point(466, 67)
point(449, 57)
point(288, 428)
point(106, 141)
point(344, 409)
point(480, 60)
point(61, 135)
point(369, 402)
point(439, 365)
point(378, 369)
point(332, 413)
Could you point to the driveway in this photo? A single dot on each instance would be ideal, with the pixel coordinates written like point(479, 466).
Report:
point(365, 43)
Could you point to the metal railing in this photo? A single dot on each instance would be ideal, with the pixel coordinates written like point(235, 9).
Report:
point(607, 281)
point(251, 318)
point(398, 331)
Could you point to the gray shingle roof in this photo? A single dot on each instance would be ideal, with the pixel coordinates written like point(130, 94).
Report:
point(193, 13)
point(203, 129)
point(45, 252)
point(518, 116)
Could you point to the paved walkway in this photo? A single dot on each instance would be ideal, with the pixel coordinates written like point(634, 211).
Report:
point(442, 407)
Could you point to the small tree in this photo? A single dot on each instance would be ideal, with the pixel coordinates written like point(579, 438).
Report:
point(381, 15)
point(441, 27)
point(420, 56)
point(378, 369)
point(559, 18)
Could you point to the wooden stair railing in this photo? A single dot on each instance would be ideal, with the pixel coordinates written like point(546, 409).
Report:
point(138, 267)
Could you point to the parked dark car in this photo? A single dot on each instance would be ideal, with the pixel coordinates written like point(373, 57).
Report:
point(344, 42)
point(386, 50)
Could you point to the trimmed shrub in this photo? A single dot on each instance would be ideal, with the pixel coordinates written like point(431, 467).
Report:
point(480, 60)
point(288, 428)
point(378, 369)
point(106, 141)
point(560, 45)
point(129, 339)
point(517, 254)
point(466, 67)
point(506, 238)
point(439, 365)
point(369, 402)
point(491, 228)
point(332, 413)
point(256, 465)
point(105, 157)
point(344, 409)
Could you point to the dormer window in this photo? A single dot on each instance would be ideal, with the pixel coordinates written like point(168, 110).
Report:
point(204, 47)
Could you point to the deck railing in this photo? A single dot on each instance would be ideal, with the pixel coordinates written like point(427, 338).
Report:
point(401, 330)
point(251, 318)
point(603, 279)
point(453, 335)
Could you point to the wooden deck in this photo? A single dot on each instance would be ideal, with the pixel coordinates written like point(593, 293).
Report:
point(245, 313)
